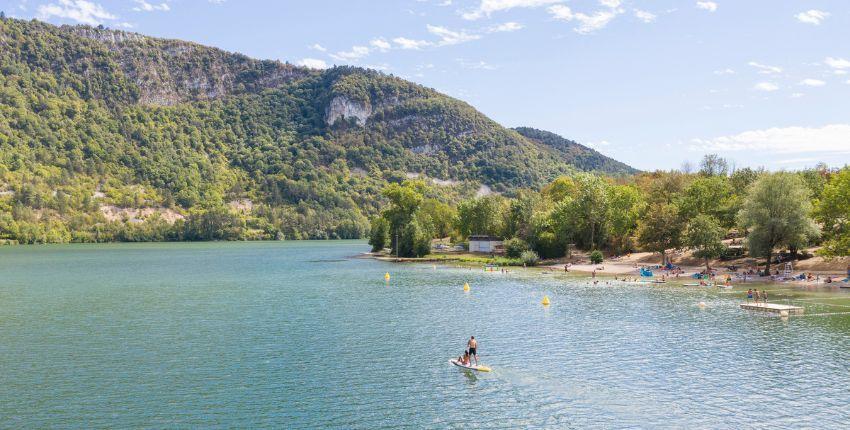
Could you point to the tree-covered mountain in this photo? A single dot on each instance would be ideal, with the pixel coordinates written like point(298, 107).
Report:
point(110, 135)
point(578, 155)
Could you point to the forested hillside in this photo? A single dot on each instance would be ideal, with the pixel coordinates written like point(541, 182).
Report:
point(107, 135)
point(580, 156)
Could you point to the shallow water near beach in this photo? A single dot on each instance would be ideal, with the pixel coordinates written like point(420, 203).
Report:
point(299, 335)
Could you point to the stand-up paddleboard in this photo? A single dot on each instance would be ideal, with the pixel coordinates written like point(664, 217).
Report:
point(470, 367)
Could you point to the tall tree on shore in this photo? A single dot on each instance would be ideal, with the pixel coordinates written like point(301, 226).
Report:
point(777, 213)
point(405, 200)
point(625, 204)
point(661, 229)
point(704, 235)
point(481, 215)
point(379, 234)
point(590, 207)
point(833, 212)
point(517, 216)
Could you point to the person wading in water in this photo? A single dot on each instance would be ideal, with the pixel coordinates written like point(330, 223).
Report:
point(472, 348)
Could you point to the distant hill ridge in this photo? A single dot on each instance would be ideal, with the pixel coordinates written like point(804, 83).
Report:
point(165, 123)
point(578, 155)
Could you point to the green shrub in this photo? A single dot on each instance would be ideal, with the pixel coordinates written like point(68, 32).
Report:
point(515, 247)
point(530, 258)
point(596, 257)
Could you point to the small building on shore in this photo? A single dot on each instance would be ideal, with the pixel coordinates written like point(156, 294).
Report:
point(485, 243)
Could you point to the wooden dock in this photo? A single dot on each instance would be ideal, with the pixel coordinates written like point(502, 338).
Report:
point(776, 308)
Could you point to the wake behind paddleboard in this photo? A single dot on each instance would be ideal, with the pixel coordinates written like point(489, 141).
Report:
point(476, 368)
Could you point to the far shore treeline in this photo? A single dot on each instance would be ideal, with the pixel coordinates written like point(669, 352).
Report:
point(660, 211)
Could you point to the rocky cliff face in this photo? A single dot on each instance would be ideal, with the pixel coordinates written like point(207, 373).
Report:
point(168, 72)
point(343, 108)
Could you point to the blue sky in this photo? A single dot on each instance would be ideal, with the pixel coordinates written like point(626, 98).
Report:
point(651, 83)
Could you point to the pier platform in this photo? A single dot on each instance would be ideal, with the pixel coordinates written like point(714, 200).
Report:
point(783, 310)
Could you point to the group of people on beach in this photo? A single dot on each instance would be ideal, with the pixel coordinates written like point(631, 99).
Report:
point(753, 294)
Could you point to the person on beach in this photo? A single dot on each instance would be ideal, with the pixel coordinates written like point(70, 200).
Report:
point(472, 348)
point(764, 296)
point(757, 296)
point(749, 294)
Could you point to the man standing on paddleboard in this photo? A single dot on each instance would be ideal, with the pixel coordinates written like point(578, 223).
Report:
point(472, 346)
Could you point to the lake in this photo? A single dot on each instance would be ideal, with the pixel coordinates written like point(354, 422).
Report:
point(301, 335)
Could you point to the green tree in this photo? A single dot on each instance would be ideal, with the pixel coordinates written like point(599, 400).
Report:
point(514, 247)
point(520, 209)
point(443, 216)
point(661, 229)
point(833, 212)
point(704, 236)
point(625, 204)
point(709, 195)
point(480, 216)
point(590, 207)
point(415, 240)
point(379, 234)
point(405, 200)
point(777, 213)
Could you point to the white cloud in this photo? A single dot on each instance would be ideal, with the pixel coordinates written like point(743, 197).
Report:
point(833, 138)
point(765, 69)
point(586, 23)
point(644, 16)
point(506, 27)
point(380, 44)
point(488, 7)
point(797, 95)
point(813, 16)
point(766, 86)
point(707, 5)
point(480, 65)
point(837, 63)
point(144, 6)
point(726, 71)
point(809, 82)
point(356, 53)
point(449, 37)
point(318, 47)
point(82, 11)
point(126, 25)
point(610, 3)
point(313, 63)
point(405, 43)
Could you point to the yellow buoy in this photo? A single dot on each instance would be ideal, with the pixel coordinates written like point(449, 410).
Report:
point(387, 276)
point(545, 301)
point(466, 286)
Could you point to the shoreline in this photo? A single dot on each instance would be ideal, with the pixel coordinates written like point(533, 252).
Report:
point(608, 271)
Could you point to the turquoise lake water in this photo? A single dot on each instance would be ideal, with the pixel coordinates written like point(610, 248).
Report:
point(299, 335)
